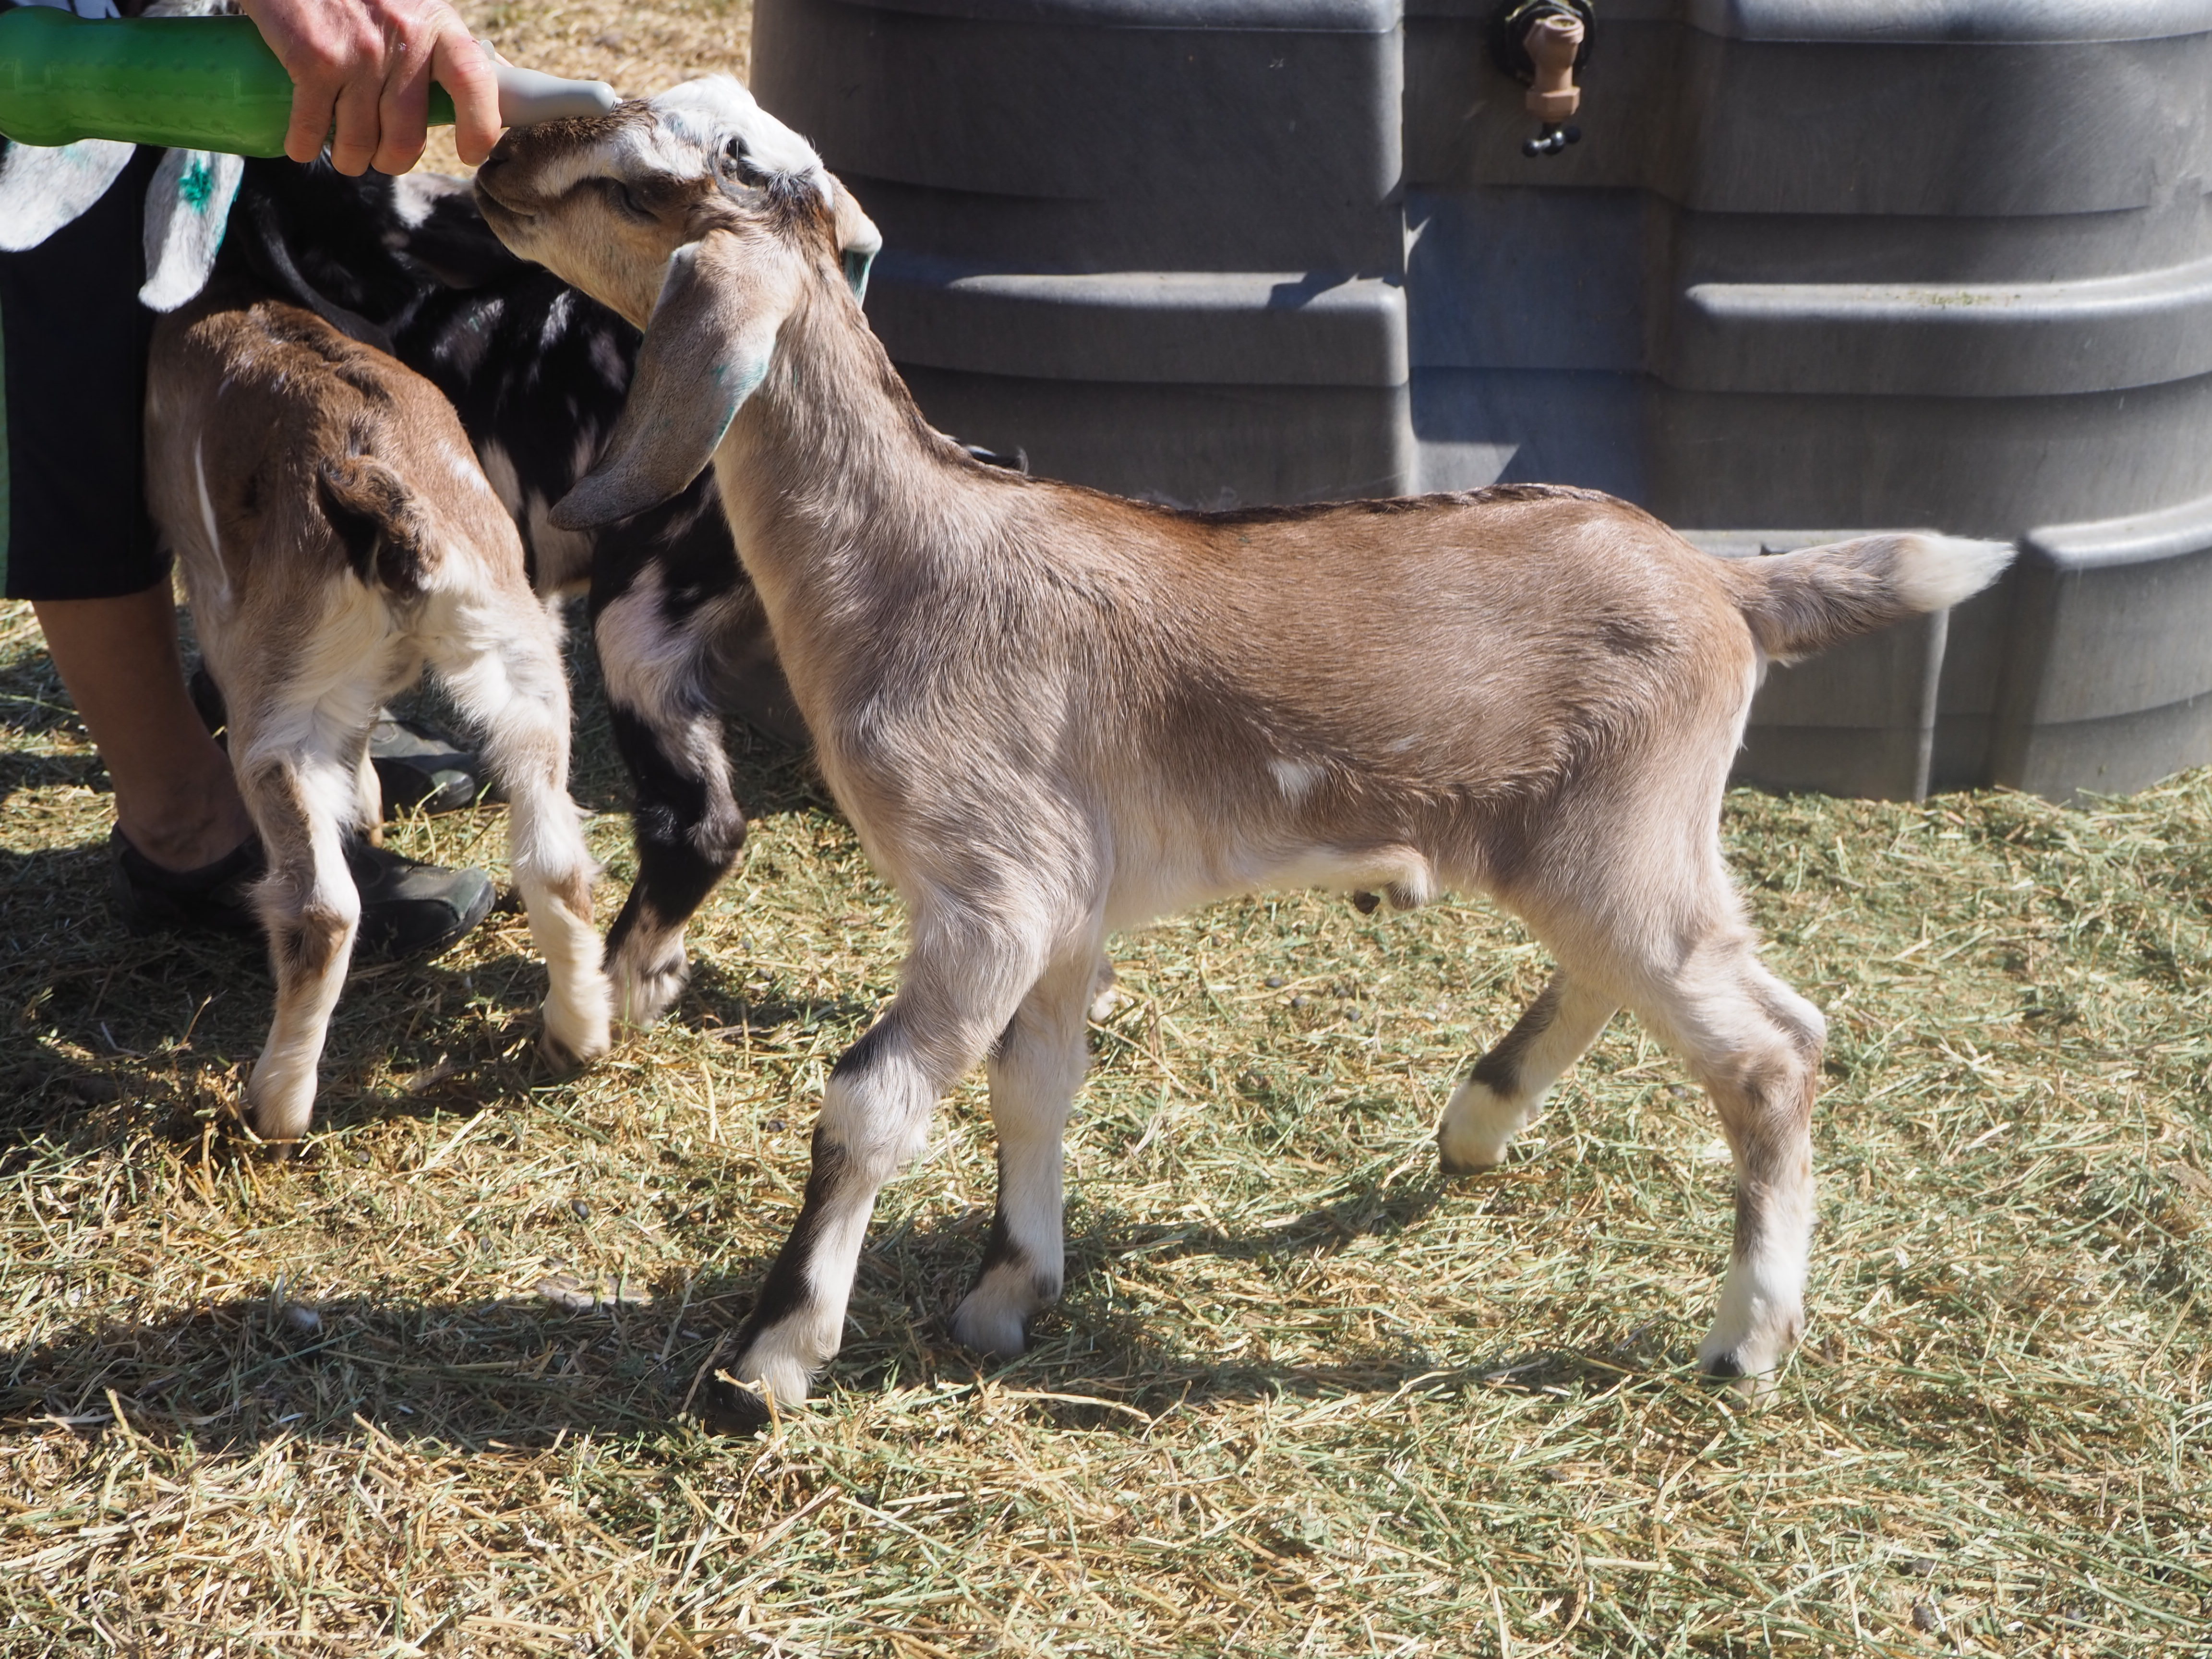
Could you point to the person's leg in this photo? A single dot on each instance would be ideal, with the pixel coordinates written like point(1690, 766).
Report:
point(75, 540)
point(175, 800)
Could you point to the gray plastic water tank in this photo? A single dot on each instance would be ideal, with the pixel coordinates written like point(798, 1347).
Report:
point(1858, 264)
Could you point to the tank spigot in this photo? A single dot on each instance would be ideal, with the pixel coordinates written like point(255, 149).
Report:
point(1542, 43)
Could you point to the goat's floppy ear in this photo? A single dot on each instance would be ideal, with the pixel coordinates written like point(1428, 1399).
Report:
point(707, 348)
point(187, 205)
point(858, 241)
point(43, 189)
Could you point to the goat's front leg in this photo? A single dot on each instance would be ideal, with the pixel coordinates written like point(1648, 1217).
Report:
point(962, 984)
point(311, 911)
point(660, 703)
point(1036, 1070)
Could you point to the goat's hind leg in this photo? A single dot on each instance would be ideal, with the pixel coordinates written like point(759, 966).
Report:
point(658, 670)
point(310, 908)
point(1506, 1088)
point(1656, 921)
point(1758, 1052)
point(500, 659)
point(1755, 1045)
point(1036, 1070)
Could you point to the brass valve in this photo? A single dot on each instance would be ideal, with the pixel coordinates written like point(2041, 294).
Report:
point(1542, 43)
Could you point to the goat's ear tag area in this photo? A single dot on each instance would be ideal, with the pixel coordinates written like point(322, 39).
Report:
point(43, 189)
point(706, 351)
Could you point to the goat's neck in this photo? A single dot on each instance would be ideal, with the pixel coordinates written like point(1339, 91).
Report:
point(832, 480)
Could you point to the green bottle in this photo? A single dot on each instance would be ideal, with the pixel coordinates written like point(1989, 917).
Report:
point(208, 83)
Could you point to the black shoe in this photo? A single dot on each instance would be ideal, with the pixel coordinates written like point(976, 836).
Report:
point(215, 898)
point(420, 770)
point(412, 910)
point(418, 767)
point(408, 910)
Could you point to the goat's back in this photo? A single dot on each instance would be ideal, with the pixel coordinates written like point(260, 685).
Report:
point(1479, 645)
point(278, 446)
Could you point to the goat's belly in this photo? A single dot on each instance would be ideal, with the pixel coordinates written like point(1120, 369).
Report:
point(1152, 879)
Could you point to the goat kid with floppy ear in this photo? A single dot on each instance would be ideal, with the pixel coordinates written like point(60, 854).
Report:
point(1051, 714)
point(336, 534)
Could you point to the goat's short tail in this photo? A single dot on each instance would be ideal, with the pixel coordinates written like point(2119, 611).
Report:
point(382, 527)
point(1803, 602)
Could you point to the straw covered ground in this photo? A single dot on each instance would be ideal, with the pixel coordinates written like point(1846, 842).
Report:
point(414, 1394)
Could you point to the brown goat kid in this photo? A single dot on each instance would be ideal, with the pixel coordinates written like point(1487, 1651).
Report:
point(1051, 714)
point(336, 534)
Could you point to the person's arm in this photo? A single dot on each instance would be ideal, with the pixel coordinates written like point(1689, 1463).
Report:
point(361, 72)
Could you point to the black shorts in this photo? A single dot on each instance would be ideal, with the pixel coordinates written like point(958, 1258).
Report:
point(73, 521)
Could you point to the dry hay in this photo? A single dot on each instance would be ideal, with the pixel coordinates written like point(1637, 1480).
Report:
point(412, 1396)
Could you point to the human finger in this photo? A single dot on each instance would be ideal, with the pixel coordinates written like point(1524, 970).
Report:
point(464, 68)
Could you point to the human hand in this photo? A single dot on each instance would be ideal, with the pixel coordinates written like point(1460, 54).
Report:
point(361, 71)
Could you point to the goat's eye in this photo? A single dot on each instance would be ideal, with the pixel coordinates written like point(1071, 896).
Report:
point(735, 165)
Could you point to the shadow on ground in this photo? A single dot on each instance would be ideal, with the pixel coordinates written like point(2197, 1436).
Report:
point(522, 1370)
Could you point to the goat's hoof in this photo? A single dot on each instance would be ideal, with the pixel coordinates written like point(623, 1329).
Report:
point(572, 1054)
point(727, 1407)
point(644, 995)
point(1466, 1164)
point(1000, 1332)
point(1726, 1371)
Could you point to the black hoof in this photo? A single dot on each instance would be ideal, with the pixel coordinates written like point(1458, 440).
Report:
point(1723, 1368)
point(730, 1408)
